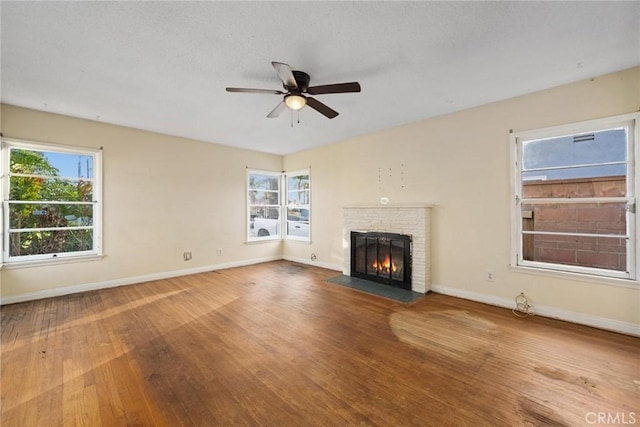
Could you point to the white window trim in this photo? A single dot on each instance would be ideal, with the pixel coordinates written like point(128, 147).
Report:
point(283, 206)
point(633, 220)
point(29, 260)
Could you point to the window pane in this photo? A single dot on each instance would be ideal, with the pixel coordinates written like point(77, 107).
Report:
point(265, 221)
point(597, 147)
point(264, 182)
point(298, 182)
point(45, 242)
point(587, 181)
point(34, 215)
point(298, 222)
point(298, 197)
point(51, 163)
point(264, 212)
point(590, 218)
point(29, 188)
point(263, 197)
point(596, 252)
point(612, 186)
point(298, 189)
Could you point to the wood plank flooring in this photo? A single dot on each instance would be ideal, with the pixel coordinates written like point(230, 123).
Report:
point(275, 345)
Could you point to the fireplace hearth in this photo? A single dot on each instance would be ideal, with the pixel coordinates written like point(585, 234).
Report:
point(382, 257)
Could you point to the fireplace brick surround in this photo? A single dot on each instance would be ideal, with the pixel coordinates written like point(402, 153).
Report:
point(410, 219)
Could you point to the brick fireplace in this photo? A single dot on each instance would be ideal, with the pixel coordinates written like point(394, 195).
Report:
point(412, 220)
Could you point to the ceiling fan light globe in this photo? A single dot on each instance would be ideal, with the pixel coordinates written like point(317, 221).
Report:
point(295, 102)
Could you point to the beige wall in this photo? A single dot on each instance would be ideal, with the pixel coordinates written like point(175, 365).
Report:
point(461, 164)
point(162, 196)
point(165, 195)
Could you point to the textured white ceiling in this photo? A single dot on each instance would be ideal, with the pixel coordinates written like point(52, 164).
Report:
point(164, 66)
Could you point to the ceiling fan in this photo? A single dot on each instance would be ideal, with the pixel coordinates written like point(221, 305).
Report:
point(296, 84)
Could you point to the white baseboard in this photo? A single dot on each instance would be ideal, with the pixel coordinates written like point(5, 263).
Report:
point(49, 293)
point(545, 311)
point(328, 266)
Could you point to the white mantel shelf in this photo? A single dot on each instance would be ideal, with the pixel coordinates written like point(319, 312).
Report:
point(411, 219)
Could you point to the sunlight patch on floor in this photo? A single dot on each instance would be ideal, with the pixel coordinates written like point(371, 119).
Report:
point(76, 365)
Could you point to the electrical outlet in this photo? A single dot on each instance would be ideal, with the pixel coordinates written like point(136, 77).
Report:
point(220, 251)
point(490, 276)
point(313, 257)
point(186, 256)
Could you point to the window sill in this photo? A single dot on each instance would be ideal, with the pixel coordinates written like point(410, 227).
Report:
point(300, 240)
point(258, 242)
point(280, 240)
point(49, 262)
point(582, 277)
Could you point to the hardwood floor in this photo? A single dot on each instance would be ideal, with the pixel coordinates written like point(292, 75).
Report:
point(273, 344)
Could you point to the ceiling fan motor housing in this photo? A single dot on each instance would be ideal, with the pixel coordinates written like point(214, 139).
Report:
point(302, 79)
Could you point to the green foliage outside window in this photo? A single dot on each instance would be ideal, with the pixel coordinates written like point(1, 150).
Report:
point(39, 219)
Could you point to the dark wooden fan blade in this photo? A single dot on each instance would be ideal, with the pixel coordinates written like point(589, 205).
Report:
point(334, 88)
point(246, 90)
point(321, 108)
point(286, 75)
point(276, 111)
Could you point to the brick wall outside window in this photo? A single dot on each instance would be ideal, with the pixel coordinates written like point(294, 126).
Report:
point(604, 218)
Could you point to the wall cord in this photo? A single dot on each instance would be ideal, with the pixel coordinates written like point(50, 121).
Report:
point(523, 308)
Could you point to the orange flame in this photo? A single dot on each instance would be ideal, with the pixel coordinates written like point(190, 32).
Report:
point(385, 265)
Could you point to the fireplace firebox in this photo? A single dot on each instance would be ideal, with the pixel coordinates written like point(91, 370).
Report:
point(382, 257)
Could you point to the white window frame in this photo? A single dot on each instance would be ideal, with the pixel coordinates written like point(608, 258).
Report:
point(631, 122)
point(96, 154)
point(283, 206)
point(290, 205)
point(249, 222)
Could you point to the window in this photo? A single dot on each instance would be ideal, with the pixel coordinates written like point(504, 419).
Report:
point(277, 202)
point(298, 198)
point(51, 201)
point(263, 202)
point(574, 198)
